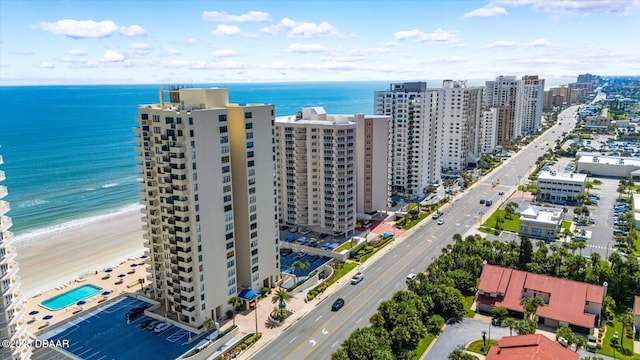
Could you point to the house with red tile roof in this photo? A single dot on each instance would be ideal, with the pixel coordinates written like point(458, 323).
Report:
point(566, 302)
point(529, 347)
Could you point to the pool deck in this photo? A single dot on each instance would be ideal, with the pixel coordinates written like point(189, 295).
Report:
point(33, 303)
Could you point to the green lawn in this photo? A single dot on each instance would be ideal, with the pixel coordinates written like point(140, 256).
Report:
point(477, 346)
point(342, 271)
point(512, 224)
point(621, 353)
point(565, 224)
point(423, 345)
point(636, 245)
point(468, 301)
point(413, 223)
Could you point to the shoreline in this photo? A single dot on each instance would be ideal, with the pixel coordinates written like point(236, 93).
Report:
point(62, 254)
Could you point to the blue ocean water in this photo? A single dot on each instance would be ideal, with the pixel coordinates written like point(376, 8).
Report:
point(69, 152)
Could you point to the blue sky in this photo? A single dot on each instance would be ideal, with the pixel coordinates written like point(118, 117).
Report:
point(127, 42)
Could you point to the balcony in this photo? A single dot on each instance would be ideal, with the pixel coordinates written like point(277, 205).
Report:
point(2, 176)
point(5, 223)
point(4, 207)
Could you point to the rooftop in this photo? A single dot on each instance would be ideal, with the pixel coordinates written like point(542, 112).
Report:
point(529, 347)
point(567, 298)
point(542, 215)
point(318, 116)
point(609, 160)
point(564, 176)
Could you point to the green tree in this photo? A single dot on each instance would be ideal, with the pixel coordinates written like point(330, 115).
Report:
point(510, 323)
point(299, 265)
point(531, 305)
point(527, 326)
point(459, 354)
point(208, 323)
point(526, 249)
point(499, 313)
point(141, 282)
point(340, 355)
point(282, 297)
point(626, 319)
point(434, 323)
point(368, 344)
point(235, 303)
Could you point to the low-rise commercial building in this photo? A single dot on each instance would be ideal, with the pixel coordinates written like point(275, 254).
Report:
point(610, 166)
point(561, 186)
point(540, 223)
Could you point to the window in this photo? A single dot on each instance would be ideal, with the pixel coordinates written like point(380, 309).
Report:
point(248, 115)
point(224, 139)
point(222, 117)
point(249, 144)
point(229, 245)
point(250, 163)
point(249, 135)
point(248, 126)
point(223, 129)
point(229, 236)
point(227, 207)
point(250, 154)
point(144, 116)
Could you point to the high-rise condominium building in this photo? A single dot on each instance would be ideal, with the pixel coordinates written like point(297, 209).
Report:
point(501, 94)
point(414, 137)
point(529, 103)
point(209, 190)
point(12, 310)
point(460, 115)
point(488, 131)
point(372, 159)
point(519, 104)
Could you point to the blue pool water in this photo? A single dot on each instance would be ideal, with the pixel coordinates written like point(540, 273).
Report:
point(70, 297)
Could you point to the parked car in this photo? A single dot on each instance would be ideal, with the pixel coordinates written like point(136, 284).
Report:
point(300, 255)
point(146, 323)
point(411, 276)
point(305, 231)
point(161, 327)
point(591, 343)
point(285, 252)
point(482, 201)
point(314, 258)
point(283, 227)
point(488, 202)
point(436, 215)
point(500, 193)
point(152, 325)
point(301, 241)
point(293, 230)
point(357, 278)
point(337, 305)
point(313, 243)
point(135, 312)
point(563, 341)
point(322, 236)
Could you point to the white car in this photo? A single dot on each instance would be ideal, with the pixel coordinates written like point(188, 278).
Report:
point(305, 231)
point(161, 327)
point(357, 278)
point(293, 230)
point(411, 276)
point(441, 221)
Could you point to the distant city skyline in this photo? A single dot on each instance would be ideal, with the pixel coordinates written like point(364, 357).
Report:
point(117, 42)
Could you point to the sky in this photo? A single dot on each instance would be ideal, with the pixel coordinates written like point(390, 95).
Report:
point(163, 41)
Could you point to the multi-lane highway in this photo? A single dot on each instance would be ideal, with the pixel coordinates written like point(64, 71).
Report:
point(320, 332)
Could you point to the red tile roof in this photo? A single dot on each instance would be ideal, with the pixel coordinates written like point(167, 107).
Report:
point(567, 298)
point(529, 347)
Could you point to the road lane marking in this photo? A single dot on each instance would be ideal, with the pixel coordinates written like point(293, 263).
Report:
point(359, 320)
point(324, 331)
point(292, 340)
point(312, 342)
point(335, 343)
point(319, 317)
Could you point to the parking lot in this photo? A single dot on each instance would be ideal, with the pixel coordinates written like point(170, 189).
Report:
point(104, 334)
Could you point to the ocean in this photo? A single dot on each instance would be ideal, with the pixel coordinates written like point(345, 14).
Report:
point(69, 152)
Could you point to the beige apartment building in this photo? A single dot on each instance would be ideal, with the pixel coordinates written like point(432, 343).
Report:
point(330, 168)
point(414, 136)
point(13, 323)
point(210, 203)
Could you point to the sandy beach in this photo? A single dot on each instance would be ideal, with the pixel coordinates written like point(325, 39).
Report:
point(50, 259)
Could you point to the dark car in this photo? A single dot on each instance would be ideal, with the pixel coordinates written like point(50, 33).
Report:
point(134, 312)
point(145, 323)
point(500, 193)
point(488, 203)
point(337, 305)
point(322, 236)
point(482, 201)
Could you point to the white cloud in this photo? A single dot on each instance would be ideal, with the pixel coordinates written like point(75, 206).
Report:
point(577, 7)
point(133, 30)
point(307, 48)
point(332, 65)
point(302, 29)
point(172, 52)
point(113, 56)
point(76, 52)
point(190, 41)
point(139, 46)
point(537, 43)
point(223, 30)
point(89, 28)
point(368, 51)
point(437, 37)
point(22, 52)
point(221, 65)
point(175, 63)
point(224, 53)
point(451, 59)
point(44, 65)
point(488, 11)
point(390, 44)
point(502, 44)
point(251, 16)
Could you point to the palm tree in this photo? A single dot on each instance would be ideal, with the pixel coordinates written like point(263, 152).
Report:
point(530, 305)
point(281, 296)
point(208, 323)
point(141, 282)
point(511, 324)
point(298, 265)
point(627, 322)
point(234, 302)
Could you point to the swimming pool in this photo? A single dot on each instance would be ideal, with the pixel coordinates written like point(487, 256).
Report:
point(70, 297)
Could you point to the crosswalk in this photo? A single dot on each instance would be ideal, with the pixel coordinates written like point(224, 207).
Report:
point(599, 247)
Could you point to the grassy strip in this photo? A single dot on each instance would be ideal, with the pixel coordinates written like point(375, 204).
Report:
point(467, 301)
point(413, 223)
point(625, 352)
point(423, 345)
point(512, 224)
point(342, 272)
point(479, 348)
